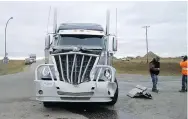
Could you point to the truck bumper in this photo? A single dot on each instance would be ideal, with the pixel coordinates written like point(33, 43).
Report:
point(73, 99)
point(48, 91)
point(60, 91)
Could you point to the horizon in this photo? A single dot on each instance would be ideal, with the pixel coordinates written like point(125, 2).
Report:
point(39, 58)
point(20, 58)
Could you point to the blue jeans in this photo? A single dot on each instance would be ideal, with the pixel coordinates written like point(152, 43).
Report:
point(184, 82)
point(154, 78)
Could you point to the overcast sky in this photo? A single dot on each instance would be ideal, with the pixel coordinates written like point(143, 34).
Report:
point(167, 34)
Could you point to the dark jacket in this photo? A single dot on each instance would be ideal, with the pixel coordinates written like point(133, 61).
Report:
point(153, 65)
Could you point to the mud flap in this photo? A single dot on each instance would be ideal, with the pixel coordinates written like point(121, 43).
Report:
point(139, 92)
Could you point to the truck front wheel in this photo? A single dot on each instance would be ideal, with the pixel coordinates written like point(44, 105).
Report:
point(47, 104)
point(115, 98)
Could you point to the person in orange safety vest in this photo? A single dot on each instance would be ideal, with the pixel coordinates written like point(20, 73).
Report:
point(184, 72)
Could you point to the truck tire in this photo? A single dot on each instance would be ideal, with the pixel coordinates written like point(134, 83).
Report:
point(115, 98)
point(47, 104)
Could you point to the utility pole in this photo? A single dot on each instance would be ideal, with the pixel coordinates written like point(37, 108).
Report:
point(146, 27)
point(6, 58)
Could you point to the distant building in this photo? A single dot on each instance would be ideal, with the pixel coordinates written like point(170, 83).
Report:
point(138, 57)
point(150, 55)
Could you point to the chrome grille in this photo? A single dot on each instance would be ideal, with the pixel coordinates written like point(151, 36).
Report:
point(74, 68)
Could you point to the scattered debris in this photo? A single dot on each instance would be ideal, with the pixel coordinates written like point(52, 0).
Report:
point(47, 115)
point(62, 118)
point(139, 92)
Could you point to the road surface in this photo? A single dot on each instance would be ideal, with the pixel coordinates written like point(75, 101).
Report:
point(17, 91)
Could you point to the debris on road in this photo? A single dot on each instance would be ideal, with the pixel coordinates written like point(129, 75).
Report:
point(139, 92)
point(47, 115)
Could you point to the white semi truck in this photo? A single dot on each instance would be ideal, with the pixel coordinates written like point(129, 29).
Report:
point(33, 57)
point(78, 65)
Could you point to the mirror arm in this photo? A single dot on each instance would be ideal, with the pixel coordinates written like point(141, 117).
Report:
point(47, 42)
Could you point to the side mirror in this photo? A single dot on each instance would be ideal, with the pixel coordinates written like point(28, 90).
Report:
point(114, 44)
point(47, 42)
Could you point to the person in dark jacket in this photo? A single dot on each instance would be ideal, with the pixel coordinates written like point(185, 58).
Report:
point(154, 69)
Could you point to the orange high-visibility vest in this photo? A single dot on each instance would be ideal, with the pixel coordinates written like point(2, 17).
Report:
point(184, 67)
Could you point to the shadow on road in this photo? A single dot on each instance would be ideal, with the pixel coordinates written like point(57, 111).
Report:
point(91, 110)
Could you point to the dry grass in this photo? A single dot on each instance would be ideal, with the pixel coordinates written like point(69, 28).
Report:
point(14, 66)
point(168, 67)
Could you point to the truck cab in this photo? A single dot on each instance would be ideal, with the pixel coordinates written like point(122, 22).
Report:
point(77, 66)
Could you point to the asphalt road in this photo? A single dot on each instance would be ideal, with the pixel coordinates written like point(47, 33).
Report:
point(17, 91)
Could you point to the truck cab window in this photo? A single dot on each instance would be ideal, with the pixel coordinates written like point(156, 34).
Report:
point(89, 40)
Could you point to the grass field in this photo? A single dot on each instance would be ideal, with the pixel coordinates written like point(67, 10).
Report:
point(14, 66)
point(169, 66)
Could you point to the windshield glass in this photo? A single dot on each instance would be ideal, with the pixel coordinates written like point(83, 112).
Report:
point(87, 40)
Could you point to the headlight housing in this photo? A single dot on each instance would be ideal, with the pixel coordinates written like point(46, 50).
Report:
point(107, 74)
point(46, 72)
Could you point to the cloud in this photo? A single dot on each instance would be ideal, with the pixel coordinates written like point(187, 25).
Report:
point(167, 20)
point(157, 13)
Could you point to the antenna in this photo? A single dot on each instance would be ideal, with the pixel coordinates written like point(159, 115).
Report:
point(55, 21)
point(48, 19)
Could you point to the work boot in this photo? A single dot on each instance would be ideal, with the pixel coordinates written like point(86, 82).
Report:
point(182, 90)
point(155, 90)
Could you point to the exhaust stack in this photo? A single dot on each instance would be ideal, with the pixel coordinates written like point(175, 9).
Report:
point(55, 21)
point(107, 33)
point(107, 22)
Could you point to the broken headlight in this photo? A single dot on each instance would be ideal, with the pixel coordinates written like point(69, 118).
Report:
point(46, 72)
point(107, 74)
